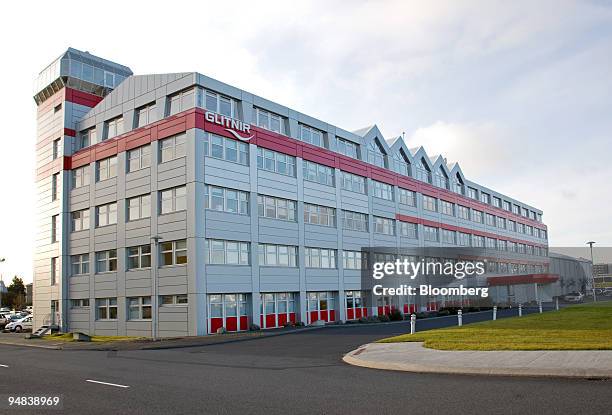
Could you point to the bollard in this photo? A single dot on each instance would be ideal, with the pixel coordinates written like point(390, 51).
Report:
point(540, 307)
point(460, 318)
point(557, 303)
point(520, 310)
point(412, 323)
point(494, 312)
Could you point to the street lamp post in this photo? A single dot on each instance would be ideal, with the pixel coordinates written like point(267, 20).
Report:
point(1, 260)
point(590, 244)
point(154, 265)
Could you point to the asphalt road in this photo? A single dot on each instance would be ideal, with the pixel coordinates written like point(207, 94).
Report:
point(294, 373)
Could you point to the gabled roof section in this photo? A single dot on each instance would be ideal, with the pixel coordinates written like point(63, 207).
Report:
point(455, 169)
point(399, 146)
point(362, 132)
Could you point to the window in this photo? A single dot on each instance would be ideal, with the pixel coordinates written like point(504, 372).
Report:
point(106, 214)
point(430, 203)
point(542, 234)
point(114, 128)
point(496, 202)
point(490, 243)
point(172, 148)
point(276, 208)
point(220, 104)
point(80, 177)
point(472, 193)
point(511, 225)
point(275, 162)
point(54, 270)
point(227, 252)
point(80, 220)
point(139, 308)
point(384, 226)
point(430, 234)
point(319, 258)
point(311, 136)
point(106, 168)
point(277, 255)
point(226, 200)
point(407, 197)
point(173, 252)
point(268, 120)
point(520, 228)
point(353, 183)
point(376, 155)
point(86, 138)
point(448, 237)
point(173, 200)
point(226, 149)
point(180, 101)
point(524, 212)
point(506, 205)
point(477, 216)
point(477, 241)
point(354, 221)
point(516, 209)
point(57, 108)
point(170, 300)
point(106, 308)
point(139, 257)
point(511, 246)
point(79, 303)
point(353, 259)
point(501, 222)
point(528, 230)
point(463, 212)
point(145, 115)
point(489, 219)
point(441, 179)
point(54, 182)
point(80, 264)
point(408, 230)
point(139, 207)
point(106, 261)
point(401, 164)
point(485, 197)
point(54, 224)
point(348, 148)
point(318, 173)
point(501, 245)
point(56, 148)
point(463, 239)
point(446, 208)
point(382, 190)
point(319, 215)
point(139, 158)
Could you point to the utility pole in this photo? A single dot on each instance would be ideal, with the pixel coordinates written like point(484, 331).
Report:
point(590, 244)
point(1, 260)
point(154, 266)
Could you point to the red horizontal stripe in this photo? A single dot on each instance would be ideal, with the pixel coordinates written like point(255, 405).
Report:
point(82, 98)
point(523, 279)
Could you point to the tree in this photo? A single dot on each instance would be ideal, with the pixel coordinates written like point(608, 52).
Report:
point(15, 296)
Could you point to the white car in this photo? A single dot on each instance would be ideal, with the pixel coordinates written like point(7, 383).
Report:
point(573, 297)
point(20, 325)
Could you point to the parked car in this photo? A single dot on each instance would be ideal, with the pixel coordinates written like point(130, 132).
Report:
point(3, 320)
point(5, 310)
point(20, 325)
point(575, 297)
point(607, 292)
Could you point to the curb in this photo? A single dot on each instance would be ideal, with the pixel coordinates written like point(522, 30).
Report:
point(352, 358)
point(37, 346)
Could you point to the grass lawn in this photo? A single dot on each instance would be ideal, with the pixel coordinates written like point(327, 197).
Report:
point(67, 337)
point(578, 327)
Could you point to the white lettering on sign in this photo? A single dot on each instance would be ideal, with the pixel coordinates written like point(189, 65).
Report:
point(231, 125)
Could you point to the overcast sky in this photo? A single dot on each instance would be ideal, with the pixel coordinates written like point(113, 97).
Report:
point(520, 93)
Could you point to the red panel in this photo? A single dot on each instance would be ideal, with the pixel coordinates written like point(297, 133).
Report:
point(231, 323)
point(215, 323)
point(332, 315)
point(365, 311)
point(314, 316)
point(350, 314)
point(324, 315)
point(387, 309)
point(523, 279)
point(261, 321)
point(282, 319)
point(358, 313)
point(82, 98)
point(292, 317)
point(381, 310)
point(244, 323)
point(270, 320)
point(406, 308)
point(70, 132)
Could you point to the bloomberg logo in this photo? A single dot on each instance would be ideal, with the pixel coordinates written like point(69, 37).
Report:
point(231, 125)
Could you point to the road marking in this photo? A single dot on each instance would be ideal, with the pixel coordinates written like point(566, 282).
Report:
point(106, 383)
point(3, 365)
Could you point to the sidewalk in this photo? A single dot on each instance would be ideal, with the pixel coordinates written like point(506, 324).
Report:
point(147, 344)
point(413, 357)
